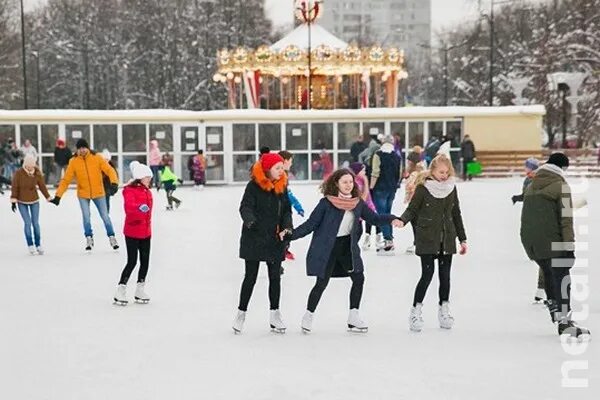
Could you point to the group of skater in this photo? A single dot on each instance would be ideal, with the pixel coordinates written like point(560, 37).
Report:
point(433, 211)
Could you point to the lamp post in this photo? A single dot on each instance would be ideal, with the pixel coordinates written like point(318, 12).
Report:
point(567, 84)
point(36, 54)
point(308, 11)
point(24, 56)
point(445, 49)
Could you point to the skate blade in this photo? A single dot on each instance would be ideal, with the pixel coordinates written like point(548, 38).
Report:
point(354, 329)
point(119, 303)
point(415, 329)
point(446, 327)
point(305, 331)
point(279, 331)
point(142, 301)
point(566, 338)
point(236, 331)
point(385, 253)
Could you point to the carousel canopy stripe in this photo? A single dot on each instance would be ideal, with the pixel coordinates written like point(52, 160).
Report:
point(319, 37)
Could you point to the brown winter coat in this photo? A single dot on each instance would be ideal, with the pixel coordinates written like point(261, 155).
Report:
point(25, 186)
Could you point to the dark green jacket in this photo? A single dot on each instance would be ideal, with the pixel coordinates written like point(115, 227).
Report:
point(547, 216)
point(438, 222)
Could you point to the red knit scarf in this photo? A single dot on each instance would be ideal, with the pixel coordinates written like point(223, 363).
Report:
point(342, 203)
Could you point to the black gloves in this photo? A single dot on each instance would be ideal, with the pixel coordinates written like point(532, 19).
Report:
point(516, 198)
point(114, 188)
point(55, 200)
point(13, 207)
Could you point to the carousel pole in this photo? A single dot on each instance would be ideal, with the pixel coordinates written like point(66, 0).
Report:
point(309, 88)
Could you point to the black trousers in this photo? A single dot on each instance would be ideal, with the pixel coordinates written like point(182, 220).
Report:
point(250, 281)
point(427, 269)
point(341, 258)
point(557, 282)
point(369, 228)
point(135, 246)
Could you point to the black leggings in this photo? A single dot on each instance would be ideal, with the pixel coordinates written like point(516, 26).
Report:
point(341, 256)
point(427, 269)
point(250, 281)
point(554, 280)
point(133, 247)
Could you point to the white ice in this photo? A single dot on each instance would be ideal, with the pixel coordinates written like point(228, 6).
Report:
point(62, 338)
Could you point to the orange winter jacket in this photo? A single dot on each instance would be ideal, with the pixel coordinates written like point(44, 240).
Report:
point(88, 173)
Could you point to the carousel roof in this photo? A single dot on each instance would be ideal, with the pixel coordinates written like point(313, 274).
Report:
point(319, 37)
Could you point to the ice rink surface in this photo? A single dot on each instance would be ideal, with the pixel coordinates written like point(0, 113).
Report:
point(62, 338)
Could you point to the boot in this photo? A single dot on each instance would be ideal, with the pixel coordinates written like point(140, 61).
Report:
point(238, 322)
point(140, 294)
point(276, 322)
point(121, 295)
point(89, 243)
point(387, 249)
point(307, 321)
point(415, 319)
point(444, 316)
point(569, 328)
point(355, 323)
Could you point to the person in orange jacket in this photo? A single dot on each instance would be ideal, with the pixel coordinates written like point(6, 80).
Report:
point(86, 167)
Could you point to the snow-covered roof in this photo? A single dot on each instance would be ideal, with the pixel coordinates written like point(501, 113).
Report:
point(267, 115)
point(319, 36)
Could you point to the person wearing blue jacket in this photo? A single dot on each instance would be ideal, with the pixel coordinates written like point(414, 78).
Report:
point(288, 159)
point(334, 250)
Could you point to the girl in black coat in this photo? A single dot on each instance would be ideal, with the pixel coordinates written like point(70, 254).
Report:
point(334, 250)
point(436, 210)
point(265, 211)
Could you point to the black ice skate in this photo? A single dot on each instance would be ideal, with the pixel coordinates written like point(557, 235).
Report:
point(89, 243)
point(113, 242)
point(568, 330)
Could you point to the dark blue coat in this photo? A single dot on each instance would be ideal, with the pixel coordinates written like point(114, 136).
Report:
point(325, 222)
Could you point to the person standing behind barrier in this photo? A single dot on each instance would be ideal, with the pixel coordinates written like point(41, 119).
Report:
point(62, 155)
point(29, 149)
point(357, 147)
point(155, 162)
point(468, 155)
point(87, 168)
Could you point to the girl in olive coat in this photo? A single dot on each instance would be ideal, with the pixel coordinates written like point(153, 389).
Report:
point(436, 209)
point(266, 212)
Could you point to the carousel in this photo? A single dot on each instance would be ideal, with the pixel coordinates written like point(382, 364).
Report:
point(311, 69)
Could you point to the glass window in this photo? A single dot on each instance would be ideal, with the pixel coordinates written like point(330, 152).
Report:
point(105, 137)
point(47, 164)
point(348, 133)
point(244, 137)
point(189, 138)
point(49, 137)
point(128, 160)
point(30, 132)
point(454, 131)
point(296, 136)
point(436, 129)
point(214, 138)
point(134, 138)
point(241, 166)
point(344, 160)
point(215, 170)
point(299, 169)
point(399, 131)
point(269, 135)
point(6, 132)
point(373, 128)
point(164, 135)
point(322, 136)
point(416, 134)
point(322, 165)
point(76, 132)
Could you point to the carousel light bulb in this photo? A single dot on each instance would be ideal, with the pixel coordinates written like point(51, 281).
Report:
point(216, 78)
point(237, 79)
point(260, 80)
point(339, 79)
point(230, 75)
point(285, 81)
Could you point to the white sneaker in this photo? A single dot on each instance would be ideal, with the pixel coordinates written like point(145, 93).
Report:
point(410, 250)
point(276, 322)
point(355, 323)
point(121, 295)
point(238, 322)
point(415, 319)
point(307, 321)
point(140, 295)
point(367, 242)
point(444, 316)
point(113, 242)
point(32, 250)
point(40, 250)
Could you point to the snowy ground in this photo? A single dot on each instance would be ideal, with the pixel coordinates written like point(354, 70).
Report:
point(61, 337)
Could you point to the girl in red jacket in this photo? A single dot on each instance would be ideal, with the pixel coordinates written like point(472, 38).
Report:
point(138, 231)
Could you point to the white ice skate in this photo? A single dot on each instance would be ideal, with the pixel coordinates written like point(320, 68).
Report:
point(387, 249)
point(276, 322)
point(238, 322)
point(367, 242)
point(444, 316)
point(40, 250)
point(540, 296)
point(89, 243)
point(307, 321)
point(32, 250)
point(355, 323)
point(379, 241)
point(410, 249)
point(140, 295)
point(113, 242)
point(121, 295)
point(415, 319)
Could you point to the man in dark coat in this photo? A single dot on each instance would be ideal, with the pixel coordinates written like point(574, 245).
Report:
point(548, 236)
point(62, 155)
point(468, 154)
point(357, 147)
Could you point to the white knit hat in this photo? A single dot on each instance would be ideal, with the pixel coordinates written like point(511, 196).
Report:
point(30, 160)
point(132, 166)
point(141, 171)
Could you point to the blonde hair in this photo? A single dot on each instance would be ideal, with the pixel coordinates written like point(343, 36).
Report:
point(435, 163)
point(417, 149)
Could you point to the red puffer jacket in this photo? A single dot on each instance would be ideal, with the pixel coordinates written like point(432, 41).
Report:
point(138, 224)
